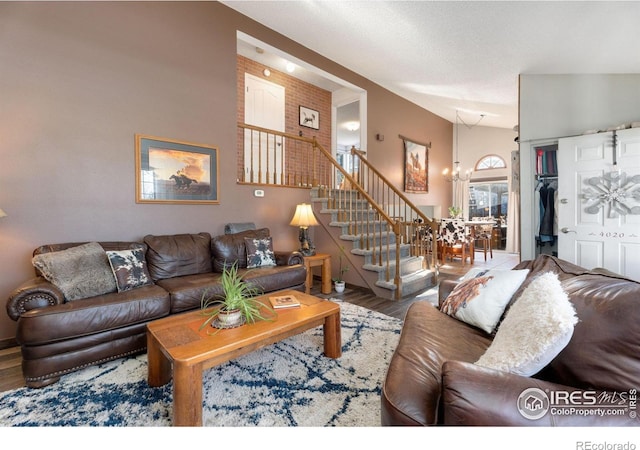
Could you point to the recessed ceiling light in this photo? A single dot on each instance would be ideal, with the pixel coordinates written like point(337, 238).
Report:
point(291, 67)
point(352, 126)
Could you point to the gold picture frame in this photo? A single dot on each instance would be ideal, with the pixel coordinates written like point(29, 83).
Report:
point(175, 172)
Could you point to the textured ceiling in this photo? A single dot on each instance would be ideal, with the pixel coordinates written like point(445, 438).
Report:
point(458, 55)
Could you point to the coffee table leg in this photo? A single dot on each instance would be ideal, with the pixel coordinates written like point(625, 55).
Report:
point(187, 395)
point(326, 276)
point(159, 366)
point(332, 336)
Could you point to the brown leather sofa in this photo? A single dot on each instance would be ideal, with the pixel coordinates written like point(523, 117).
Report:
point(431, 379)
point(58, 336)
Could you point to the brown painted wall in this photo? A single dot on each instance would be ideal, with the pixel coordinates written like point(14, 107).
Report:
point(78, 80)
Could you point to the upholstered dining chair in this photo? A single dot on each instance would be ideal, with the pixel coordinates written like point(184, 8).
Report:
point(456, 240)
point(483, 235)
point(423, 239)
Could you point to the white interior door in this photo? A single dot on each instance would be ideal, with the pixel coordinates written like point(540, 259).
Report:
point(599, 201)
point(264, 106)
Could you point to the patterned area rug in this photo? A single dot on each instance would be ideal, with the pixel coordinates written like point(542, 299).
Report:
point(286, 384)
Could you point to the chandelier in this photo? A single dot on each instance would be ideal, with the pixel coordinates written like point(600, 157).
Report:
point(455, 175)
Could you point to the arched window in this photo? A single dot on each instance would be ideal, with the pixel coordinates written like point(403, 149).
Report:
point(490, 162)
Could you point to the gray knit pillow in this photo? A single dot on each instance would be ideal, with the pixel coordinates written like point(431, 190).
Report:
point(79, 272)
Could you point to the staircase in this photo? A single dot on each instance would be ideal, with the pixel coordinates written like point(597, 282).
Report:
point(381, 231)
point(370, 246)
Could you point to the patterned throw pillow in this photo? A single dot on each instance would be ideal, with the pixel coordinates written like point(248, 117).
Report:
point(130, 268)
point(482, 296)
point(260, 252)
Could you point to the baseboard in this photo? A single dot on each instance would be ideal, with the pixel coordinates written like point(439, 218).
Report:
point(8, 343)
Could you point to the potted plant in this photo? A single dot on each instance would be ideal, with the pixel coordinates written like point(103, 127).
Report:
point(454, 212)
point(237, 305)
point(342, 269)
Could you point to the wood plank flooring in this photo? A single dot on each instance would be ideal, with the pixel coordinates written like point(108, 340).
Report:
point(10, 359)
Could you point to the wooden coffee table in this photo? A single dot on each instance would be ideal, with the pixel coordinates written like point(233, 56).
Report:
point(177, 348)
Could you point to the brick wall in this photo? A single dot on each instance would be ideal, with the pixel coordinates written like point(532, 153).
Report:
point(297, 93)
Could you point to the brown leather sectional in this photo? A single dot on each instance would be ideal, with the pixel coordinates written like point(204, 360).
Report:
point(431, 379)
point(59, 337)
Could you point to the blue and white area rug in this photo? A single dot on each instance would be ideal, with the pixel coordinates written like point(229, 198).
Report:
point(290, 383)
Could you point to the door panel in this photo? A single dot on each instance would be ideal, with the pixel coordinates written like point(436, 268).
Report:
point(589, 253)
point(599, 201)
point(263, 154)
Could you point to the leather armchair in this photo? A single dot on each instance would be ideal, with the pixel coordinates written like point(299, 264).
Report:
point(431, 379)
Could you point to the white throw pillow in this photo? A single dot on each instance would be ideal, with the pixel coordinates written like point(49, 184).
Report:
point(482, 296)
point(536, 328)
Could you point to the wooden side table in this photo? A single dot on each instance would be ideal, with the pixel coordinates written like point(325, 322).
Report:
point(319, 259)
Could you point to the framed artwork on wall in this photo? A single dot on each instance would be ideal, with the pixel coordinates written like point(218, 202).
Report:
point(416, 166)
point(309, 118)
point(171, 171)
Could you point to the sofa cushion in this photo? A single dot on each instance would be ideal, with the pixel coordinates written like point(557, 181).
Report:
point(259, 252)
point(537, 327)
point(482, 295)
point(603, 351)
point(129, 268)
point(411, 390)
point(79, 272)
point(186, 292)
point(178, 255)
point(275, 278)
point(93, 315)
point(228, 249)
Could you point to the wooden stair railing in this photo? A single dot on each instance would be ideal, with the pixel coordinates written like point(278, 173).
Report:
point(373, 208)
point(416, 228)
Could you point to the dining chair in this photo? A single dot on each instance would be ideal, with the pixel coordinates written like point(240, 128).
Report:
point(456, 240)
point(483, 234)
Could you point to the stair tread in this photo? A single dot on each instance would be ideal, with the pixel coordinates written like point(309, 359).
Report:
point(409, 278)
point(363, 251)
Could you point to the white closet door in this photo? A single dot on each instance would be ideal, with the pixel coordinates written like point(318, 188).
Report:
point(599, 201)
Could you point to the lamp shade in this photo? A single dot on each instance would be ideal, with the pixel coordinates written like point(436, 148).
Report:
point(304, 216)
point(2, 213)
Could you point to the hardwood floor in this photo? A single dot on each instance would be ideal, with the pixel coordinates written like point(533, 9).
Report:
point(10, 359)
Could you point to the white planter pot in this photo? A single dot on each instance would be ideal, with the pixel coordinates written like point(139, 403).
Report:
point(230, 318)
point(339, 285)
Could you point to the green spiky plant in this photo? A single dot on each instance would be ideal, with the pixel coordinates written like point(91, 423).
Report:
point(342, 268)
point(237, 295)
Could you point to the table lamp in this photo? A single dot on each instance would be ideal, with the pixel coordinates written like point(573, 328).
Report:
point(304, 219)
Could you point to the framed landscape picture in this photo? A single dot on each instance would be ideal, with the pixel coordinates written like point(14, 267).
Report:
point(170, 171)
point(309, 118)
point(416, 167)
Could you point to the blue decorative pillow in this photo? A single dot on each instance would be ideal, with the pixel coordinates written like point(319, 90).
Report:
point(130, 268)
point(259, 252)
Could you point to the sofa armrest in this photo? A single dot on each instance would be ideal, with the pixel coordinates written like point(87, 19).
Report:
point(444, 289)
point(34, 293)
point(288, 258)
point(474, 395)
